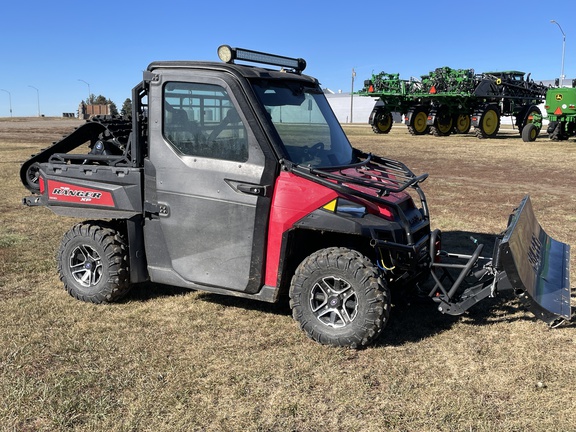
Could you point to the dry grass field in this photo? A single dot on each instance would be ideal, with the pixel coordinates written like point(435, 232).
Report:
point(172, 360)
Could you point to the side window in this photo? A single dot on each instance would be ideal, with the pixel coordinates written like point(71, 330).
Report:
point(201, 120)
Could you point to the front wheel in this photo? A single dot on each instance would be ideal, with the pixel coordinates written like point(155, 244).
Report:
point(530, 132)
point(382, 123)
point(338, 298)
point(92, 263)
point(417, 125)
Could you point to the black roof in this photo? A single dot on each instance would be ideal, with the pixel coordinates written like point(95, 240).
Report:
point(245, 71)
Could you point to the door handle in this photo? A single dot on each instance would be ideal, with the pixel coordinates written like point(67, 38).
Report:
point(252, 189)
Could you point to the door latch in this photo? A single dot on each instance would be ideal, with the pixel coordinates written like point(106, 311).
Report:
point(252, 189)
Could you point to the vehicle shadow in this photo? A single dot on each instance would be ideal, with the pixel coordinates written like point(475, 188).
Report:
point(149, 291)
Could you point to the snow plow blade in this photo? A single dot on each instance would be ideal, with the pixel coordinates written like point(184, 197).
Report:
point(537, 266)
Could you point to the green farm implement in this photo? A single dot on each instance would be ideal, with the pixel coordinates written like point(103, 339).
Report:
point(450, 101)
point(561, 110)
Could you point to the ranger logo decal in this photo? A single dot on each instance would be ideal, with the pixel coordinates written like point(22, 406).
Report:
point(78, 193)
point(64, 192)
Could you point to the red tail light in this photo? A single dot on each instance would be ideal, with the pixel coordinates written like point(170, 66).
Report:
point(385, 213)
point(41, 184)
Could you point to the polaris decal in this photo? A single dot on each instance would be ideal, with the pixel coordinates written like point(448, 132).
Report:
point(65, 192)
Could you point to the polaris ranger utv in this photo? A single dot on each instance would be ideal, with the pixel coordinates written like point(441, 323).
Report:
point(238, 179)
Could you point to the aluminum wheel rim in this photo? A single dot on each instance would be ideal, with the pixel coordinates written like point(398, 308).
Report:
point(334, 302)
point(86, 266)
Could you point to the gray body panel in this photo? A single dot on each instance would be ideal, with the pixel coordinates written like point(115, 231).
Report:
point(205, 230)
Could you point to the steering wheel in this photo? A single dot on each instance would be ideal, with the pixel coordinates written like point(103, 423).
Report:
point(314, 149)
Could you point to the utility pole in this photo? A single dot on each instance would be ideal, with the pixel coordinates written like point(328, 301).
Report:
point(9, 100)
point(352, 96)
point(87, 100)
point(37, 97)
point(563, 51)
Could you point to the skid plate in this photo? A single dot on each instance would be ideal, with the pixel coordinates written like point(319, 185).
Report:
point(537, 264)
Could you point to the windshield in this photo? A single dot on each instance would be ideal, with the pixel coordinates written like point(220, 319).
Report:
point(310, 133)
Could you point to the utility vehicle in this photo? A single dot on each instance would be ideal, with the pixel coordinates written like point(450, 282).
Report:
point(237, 179)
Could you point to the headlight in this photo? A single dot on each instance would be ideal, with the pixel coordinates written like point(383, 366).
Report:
point(344, 206)
point(225, 53)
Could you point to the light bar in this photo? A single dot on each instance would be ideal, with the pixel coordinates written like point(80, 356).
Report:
point(228, 54)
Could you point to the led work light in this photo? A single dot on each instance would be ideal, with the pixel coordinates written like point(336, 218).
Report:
point(228, 54)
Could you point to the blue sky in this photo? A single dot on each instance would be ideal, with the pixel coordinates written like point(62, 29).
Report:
point(52, 45)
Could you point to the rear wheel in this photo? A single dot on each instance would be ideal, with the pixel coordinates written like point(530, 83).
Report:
point(417, 124)
point(489, 122)
point(92, 263)
point(443, 124)
point(556, 131)
point(382, 122)
point(339, 299)
point(462, 124)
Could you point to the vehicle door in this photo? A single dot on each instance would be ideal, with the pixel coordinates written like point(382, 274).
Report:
point(212, 178)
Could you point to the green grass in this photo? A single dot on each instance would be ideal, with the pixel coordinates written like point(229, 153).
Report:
point(167, 359)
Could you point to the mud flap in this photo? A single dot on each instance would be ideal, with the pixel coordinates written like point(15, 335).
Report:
point(537, 266)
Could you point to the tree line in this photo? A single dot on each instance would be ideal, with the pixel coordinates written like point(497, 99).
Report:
point(125, 111)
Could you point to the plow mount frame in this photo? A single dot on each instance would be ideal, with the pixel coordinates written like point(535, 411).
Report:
point(525, 259)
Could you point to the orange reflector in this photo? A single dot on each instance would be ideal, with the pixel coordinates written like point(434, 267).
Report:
point(429, 117)
point(41, 184)
point(371, 89)
point(386, 213)
point(474, 119)
point(558, 111)
point(433, 90)
point(530, 117)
